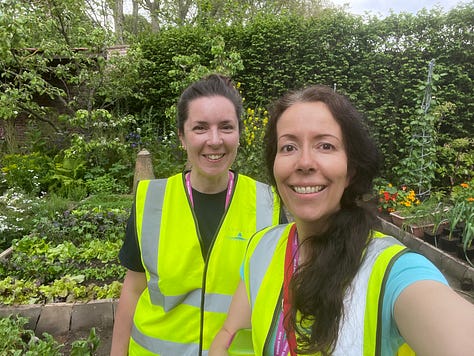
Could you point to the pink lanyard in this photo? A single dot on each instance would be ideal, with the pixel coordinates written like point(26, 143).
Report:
point(230, 186)
point(283, 341)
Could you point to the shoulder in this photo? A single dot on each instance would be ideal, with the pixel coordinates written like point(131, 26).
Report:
point(249, 180)
point(409, 268)
point(269, 237)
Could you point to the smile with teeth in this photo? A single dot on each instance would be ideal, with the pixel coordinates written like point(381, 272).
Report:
point(215, 157)
point(308, 190)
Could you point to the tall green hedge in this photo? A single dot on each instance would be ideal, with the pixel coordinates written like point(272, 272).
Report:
point(381, 64)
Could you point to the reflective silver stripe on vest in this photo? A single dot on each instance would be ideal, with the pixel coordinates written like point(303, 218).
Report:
point(264, 205)
point(167, 348)
point(218, 303)
point(151, 235)
point(351, 330)
point(151, 230)
point(261, 258)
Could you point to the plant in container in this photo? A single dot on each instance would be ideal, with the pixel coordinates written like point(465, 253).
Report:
point(403, 203)
point(422, 216)
point(449, 240)
point(460, 215)
point(466, 248)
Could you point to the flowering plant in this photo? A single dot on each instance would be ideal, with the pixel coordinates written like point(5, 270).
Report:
point(391, 198)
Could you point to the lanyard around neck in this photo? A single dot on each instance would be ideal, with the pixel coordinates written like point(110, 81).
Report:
point(282, 346)
point(230, 186)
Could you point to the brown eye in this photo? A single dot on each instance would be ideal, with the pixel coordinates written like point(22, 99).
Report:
point(287, 148)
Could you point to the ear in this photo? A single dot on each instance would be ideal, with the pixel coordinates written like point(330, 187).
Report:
point(181, 139)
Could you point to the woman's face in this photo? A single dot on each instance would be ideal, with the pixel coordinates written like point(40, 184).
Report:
point(310, 165)
point(211, 136)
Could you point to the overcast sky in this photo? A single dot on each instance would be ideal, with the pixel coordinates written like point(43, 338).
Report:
point(383, 6)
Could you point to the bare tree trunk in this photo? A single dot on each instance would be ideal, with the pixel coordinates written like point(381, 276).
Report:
point(153, 8)
point(118, 20)
point(134, 17)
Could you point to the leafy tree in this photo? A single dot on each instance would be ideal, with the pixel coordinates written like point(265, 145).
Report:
point(51, 54)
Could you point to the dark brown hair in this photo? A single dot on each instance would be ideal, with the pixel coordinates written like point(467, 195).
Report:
point(211, 85)
point(319, 285)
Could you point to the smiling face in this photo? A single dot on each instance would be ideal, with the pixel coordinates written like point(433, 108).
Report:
point(310, 166)
point(211, 139)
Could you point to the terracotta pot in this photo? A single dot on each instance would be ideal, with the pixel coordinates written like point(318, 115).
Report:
point(397, 219)
point(419, 231)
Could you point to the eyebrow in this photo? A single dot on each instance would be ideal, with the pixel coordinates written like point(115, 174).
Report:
point(295, 137)
point(204, 122)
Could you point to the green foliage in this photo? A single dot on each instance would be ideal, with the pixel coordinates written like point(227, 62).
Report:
point(17, 215)
point(16, 340)
point(419, 167)
point(70, 256)
point(67, 180)
point(30, 173)
point(48, 50)
point(379, 63)
point(391, 198)
point(86, 347)
point(105, 184)
point(458, 161)
point(169, 157)
point(190, 68)
point(461, 211)
point(107, 202)
point(249, 159)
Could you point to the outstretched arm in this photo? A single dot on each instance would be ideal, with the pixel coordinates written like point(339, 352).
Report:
point(237, 318)
point(435, 320)
point(133, 286)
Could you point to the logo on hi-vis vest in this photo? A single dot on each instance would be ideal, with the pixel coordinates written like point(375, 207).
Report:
point(238, 237)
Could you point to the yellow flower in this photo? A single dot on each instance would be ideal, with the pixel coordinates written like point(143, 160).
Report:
point(464, 185)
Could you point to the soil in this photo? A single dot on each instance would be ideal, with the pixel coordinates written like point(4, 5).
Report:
point(104, 335)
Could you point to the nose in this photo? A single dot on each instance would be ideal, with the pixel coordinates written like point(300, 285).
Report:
point(215, 137)
point(306, 161)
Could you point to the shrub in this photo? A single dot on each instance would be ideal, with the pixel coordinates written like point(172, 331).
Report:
point(17, 215)
point(30, 173)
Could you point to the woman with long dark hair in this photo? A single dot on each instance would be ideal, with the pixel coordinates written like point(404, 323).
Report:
point(329, 283)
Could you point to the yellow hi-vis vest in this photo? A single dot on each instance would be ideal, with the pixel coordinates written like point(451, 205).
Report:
point(184, 290)
point(360, 331)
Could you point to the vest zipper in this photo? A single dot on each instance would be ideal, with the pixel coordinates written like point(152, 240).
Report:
point(206, 263)
point(204, 280)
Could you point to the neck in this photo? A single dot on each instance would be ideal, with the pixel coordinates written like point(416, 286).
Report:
point(208, 184)
point(305, 231)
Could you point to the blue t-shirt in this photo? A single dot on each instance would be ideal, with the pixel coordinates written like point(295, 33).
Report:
point(409, 268)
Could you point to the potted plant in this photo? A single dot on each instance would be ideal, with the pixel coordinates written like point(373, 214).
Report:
point(440, 222)
point(451, 237)
point(403, 204)
point(421, 216)
point(460, 216)
point(466, 248)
